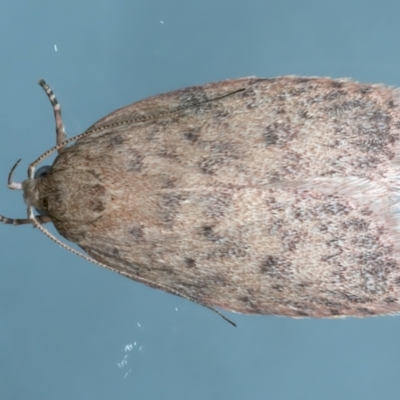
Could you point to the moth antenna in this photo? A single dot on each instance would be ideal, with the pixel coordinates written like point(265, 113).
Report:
point(61, 144)
point(60, 129)
point(35, 221)
point(31, 168)
point(10, 183)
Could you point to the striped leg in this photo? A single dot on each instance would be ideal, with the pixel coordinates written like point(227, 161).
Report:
point(21, 221)
point(60, 137)
point(60, 129)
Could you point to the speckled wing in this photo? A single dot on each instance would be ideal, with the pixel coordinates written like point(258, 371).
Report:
point(169, 103)
point(270, 196)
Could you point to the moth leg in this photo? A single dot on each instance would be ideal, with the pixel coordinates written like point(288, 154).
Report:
point(43, 219)
point(60, 129)
point(10, 183)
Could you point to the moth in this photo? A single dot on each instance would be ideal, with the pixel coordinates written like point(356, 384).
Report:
point(263, 196)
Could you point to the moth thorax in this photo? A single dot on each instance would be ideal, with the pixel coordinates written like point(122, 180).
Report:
point(31, 189)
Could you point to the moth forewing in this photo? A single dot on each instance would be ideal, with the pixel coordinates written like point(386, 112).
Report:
point(266, 196)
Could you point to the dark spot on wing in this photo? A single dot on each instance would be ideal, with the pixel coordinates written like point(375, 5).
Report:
point(207, 232)
point(192, 96)
point(302, 80)
point(365, 311)
point(334, 95)
point(135, 161)
point(301, 313)
point(275, 266)
point(337, 84)
point(278, 133)
point(169, 206)
point(364, 89)
point(137, 232)
point(116, 140)
point(355, 224)
point(191, 135)
point(390, 300)
point(95, 195)
point(190, 262)
point(218, 154)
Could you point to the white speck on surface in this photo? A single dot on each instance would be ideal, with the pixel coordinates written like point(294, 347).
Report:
point(55, 48)
point(129, 347)
point(161, 22)
point(122, 363)
point(138, 324)
point(127, 373)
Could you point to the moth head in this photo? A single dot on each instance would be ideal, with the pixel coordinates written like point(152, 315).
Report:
point(66, 194)
point(33, 191)
point(61, 194)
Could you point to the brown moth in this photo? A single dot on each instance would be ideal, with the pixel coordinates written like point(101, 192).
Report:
point(264, 196)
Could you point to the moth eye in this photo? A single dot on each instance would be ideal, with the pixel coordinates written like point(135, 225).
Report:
point(45, 204)
point(42, 171)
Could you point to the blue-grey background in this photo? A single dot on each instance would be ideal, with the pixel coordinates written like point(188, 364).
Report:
point(71, 330)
